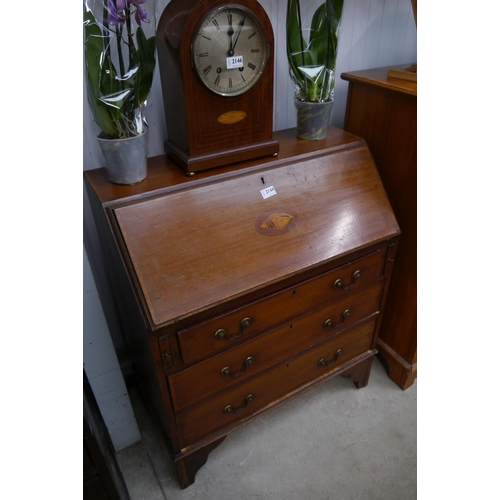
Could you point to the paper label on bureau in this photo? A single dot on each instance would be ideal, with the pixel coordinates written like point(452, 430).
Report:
point(268, 192)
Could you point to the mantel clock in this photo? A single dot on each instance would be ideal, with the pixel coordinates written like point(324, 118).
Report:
point(216, 63)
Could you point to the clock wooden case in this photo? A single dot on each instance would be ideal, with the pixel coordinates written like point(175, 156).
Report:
point(216, 61)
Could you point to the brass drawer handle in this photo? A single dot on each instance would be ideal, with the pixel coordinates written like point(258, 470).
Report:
point(230, 409)
point(328, 322)
point(227, 370)
point(222, 334)
point(340, 284)
point(322, 361)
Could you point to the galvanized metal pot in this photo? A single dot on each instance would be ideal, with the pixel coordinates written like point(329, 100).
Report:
point(313, 119)
point(126, 160)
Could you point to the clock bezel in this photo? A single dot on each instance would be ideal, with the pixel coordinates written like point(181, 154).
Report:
point(267, 48)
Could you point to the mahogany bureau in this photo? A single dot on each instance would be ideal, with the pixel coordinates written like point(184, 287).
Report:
point(243, 287)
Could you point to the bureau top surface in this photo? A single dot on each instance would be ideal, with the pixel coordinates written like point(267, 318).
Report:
point(206, 243)
point(379, 77)
point(165, 176)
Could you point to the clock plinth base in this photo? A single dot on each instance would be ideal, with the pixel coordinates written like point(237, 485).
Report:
point(197, 163)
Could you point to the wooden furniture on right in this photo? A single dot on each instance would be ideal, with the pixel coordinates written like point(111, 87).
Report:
point(383, 110)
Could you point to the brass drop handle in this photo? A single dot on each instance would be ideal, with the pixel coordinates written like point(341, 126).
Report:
point(230, 409)
point(322, 361)
point(222, 334)
point(340, 284)
point(227, 370)
point(329, 323)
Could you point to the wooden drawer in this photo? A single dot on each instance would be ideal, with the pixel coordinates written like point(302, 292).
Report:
point(207, 377)
point(201, 340)
point(273, 385)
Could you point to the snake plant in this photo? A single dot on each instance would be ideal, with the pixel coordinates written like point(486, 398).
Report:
point(312, 58)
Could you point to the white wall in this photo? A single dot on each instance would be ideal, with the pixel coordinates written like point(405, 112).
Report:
point(102, 368)
point(374, 33)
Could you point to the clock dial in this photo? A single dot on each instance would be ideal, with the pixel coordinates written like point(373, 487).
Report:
point(229, 50)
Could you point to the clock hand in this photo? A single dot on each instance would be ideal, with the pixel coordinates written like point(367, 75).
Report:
point(230, 33)
point(240, 27)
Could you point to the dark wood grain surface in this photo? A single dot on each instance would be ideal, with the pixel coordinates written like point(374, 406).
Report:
point(181, 273)
point(383, 110)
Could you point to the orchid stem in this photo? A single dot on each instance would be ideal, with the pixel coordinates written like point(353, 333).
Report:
point(119, 47)
point(106, 29)
point(130, 38)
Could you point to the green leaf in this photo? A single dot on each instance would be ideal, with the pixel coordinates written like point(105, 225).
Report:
point(295, 41)
point(93, 49)
point(96, 78)
point(145, 60)
point(319, 41)
point(116, 99)
point(312, 66)
point(105, 121)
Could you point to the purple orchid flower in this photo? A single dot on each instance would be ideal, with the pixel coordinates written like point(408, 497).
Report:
point(113, 17)
point(140, 14)
point(120, 5)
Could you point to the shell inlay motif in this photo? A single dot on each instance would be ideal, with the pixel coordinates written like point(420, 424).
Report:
point(277, 221)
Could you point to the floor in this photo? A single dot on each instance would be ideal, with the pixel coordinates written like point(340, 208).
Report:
point(335, 442)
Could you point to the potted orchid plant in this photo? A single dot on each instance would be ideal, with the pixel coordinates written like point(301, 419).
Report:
point(312, 44)
point(119, 63)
